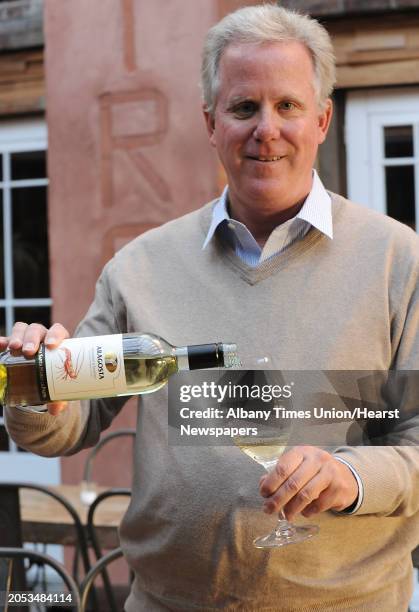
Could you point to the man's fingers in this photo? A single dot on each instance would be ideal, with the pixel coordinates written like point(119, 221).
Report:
point(55, 408)
point(34, 335)
point(316, 493)
point(15, 340)
point(27, 338)
point(55, 335)
point(311, 509)
point(319, 483)
point(286, 465)
point(325, 501)
point(298, 490)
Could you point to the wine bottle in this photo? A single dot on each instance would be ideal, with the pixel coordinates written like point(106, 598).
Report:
point(103, 366)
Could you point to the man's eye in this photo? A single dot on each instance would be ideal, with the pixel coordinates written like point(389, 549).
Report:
point(244, 110)
point(287, 106)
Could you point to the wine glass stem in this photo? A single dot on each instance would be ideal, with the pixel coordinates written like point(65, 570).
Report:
point(283, 527)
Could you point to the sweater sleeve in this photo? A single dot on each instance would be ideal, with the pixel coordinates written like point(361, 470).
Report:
point(81, 423)
point(43, 433)
point(390, 474)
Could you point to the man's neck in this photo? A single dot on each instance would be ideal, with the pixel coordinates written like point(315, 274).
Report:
point(262, 223)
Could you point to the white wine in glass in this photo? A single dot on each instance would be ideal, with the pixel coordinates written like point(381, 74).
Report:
point(265, 449)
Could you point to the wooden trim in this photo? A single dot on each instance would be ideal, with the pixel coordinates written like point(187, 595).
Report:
point(389, 73)
point(382, 51)
point(22, 83)
point(378, 57)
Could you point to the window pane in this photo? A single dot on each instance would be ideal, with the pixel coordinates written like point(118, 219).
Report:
point(4, 439)
point(398, 141)
point(1, 167)
point(30, 242)
point(28, 164)
point(400, 191)
point(1, 248)
point(34, 314)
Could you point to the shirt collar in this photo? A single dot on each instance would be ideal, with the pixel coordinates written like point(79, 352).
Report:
point(219, 214)
point(316, 210)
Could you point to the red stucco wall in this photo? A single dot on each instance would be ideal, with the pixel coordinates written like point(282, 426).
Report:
point(127, 145)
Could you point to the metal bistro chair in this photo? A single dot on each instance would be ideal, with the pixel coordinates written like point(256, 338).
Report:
point(11, 525)
point(97, 569)
point(94, 540)
point(88, 466)
point(9, 555)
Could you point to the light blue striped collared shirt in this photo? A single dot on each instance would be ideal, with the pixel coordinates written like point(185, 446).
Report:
point(315, 212)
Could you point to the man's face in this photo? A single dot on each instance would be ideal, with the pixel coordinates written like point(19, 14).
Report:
point(267, 124)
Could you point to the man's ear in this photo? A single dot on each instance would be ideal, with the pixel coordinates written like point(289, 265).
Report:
point(325, 118)
point(210, 123)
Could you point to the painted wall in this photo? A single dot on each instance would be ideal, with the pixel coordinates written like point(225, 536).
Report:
point(128, 148)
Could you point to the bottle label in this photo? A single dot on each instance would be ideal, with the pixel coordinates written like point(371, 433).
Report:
point(82, 368)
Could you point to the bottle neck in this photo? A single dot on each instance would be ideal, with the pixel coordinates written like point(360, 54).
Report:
point(200, 356)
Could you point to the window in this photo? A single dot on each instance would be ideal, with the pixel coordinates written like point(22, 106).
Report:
point(399, 164)
point(24, 268)
point(382, 139)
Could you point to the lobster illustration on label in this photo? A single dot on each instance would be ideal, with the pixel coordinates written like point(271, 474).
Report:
point(67, 369)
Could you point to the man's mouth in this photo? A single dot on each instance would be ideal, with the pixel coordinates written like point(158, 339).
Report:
point(266, 158)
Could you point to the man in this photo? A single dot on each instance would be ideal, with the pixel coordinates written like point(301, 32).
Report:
point(285, 269)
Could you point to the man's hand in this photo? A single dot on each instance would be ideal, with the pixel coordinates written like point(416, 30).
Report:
point(25, 339)
point(308, 480)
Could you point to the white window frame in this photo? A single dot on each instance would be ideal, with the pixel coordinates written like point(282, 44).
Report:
point(367, 112)
point(15, 138)
point(21, 136)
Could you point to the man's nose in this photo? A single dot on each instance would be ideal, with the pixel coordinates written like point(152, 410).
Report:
point(267, 127)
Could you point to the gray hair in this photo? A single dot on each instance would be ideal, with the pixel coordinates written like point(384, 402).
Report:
point(268, 23)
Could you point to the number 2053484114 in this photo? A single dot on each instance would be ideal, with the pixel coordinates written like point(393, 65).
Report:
point(17, 598)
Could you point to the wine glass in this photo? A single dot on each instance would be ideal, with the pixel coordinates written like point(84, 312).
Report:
point(265, 449)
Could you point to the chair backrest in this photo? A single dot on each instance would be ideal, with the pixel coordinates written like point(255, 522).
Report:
point(11, 530)
point(97, 569)
point(6, 568)
point(10, 554)
point(94, 540)
point(10, 518)
point(88, 466)
point(10, 523)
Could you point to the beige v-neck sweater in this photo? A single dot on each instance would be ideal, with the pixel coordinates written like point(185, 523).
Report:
point(347, 303)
